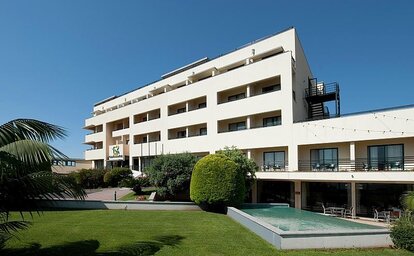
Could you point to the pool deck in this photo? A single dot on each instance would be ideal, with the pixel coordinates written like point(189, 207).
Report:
point(369, 221)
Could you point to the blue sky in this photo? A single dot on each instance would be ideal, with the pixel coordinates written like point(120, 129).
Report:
point(57, 58)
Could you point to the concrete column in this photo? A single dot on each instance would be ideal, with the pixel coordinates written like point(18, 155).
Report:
point(254, 192)
point(186, 106)
point(131, 161)
point(148, 138)
point(186, 132)
point(293, 158)
point(214, 72)
point(187, 82)
point(148, 116)
point(249, 154)
point(298, 194)
point(248, 122)
point(248, 91)
point(353, 198)
point(352, 155)
point(139, 164)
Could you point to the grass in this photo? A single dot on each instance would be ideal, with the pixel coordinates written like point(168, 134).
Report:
point(116, 232)
point(132, 196)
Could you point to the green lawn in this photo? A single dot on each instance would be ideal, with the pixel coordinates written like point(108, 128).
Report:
point(132, 196)
point(116, 232)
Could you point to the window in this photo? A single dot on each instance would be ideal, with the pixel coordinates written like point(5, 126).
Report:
point(324, 158)
point(237, 126)
point(386, 157)
point(144, 139)
point(202, 105)
point(274, 159)
point(180, 110)
point(236, 97)
point(203, 131)
point(181, 134)
point(271, 88)
point(272, 121)
point(144, 119)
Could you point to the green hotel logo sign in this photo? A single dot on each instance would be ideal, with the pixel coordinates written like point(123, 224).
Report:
point(116, 152)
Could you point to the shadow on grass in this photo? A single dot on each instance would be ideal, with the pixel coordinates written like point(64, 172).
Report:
point(89, 247)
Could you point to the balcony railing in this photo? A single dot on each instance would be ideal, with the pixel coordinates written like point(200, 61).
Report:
point(359, 165)
point(278, 166)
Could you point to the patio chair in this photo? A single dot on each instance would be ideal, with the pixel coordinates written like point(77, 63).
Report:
point(331, 167)
point(316, 167)
point(276, 167)
point(326, 211)
point(366, 167)
point(382, 215)
point(349, 213)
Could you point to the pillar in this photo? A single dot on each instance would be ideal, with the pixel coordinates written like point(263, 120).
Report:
point(352, 155)
point(249, 154)
point(353, 198)
point(248, 122)
point(293, 158)
point(248, 91)
point(254, 192)
point(186, 132)
point(148, 116)
point(298, 194)
point(186, 106)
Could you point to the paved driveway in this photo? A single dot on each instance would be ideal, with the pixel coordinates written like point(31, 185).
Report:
point(107, 193)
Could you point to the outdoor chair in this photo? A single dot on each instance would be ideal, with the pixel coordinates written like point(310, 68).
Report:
point(316, 167)
point(349, 212)
point(326, 211)
point(366, 167)
point(382, 215)
point(277, 167)
point(331, 167)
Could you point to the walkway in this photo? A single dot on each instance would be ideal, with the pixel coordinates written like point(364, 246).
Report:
point(107, 193)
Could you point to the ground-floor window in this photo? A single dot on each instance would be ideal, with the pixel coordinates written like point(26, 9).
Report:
point(276, 192)
point(370, 196)
point(314, 194)
point(99, 164)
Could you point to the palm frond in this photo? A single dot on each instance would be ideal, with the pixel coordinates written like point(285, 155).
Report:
point(29, 129)
point(32, 152)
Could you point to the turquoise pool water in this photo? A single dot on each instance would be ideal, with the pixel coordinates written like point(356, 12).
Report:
point(291, 219)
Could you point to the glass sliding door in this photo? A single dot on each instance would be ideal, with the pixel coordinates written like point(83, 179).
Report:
point(386, 157)
point(325, 158)
point(274, 159)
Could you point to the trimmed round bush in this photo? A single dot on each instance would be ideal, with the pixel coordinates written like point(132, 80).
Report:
point(216, 181)
point(402, 233)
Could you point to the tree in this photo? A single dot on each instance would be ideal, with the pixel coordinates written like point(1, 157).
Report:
point(246, 166)
point(408, 200)
point(216, 183)
point(171, 174)
point(25, 170)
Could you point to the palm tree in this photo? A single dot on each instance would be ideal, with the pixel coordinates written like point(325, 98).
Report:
point(408, 200)
point(25, 170)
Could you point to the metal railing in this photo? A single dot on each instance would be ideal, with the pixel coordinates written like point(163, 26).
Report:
point(322, 89)
point(278, 166)
point(359, 165)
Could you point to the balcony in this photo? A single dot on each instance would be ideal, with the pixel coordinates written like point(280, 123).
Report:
point(359, 165)
point(94, 154)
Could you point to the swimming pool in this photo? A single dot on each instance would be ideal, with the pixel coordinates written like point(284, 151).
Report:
point(292, 219)
point(290, 228)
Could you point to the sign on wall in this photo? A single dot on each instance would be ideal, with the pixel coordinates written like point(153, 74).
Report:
point(116, 152)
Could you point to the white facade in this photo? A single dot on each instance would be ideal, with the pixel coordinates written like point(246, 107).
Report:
point(258, 91)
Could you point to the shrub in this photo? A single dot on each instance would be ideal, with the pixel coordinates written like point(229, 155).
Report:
point(402, 233)
point(171, 174)
point(89, 178)
point(217, 182)
point(116, 175)
point(245, 165)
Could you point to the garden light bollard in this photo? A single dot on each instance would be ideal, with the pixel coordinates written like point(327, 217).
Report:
point(114, 195)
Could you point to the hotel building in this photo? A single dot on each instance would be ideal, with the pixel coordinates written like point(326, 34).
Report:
point(263, 99)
